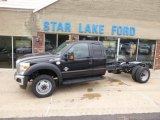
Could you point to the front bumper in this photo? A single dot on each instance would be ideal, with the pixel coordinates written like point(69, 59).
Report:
point(22, 80)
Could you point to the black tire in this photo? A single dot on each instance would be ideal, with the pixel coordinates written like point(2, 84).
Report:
point(134, 72)
point(110, 71)
point(43, 86)
point(142, 74)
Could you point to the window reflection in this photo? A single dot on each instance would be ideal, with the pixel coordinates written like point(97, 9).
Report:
point(110, 44)
point(50, 42)
point(146, 51)
point(88, 37)
point(22, 46)
point(128, 49)
point(62, 38)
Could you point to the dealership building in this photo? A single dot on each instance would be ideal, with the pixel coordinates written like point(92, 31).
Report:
point(129, 30)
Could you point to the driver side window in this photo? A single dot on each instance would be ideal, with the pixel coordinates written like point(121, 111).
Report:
point(80, 51)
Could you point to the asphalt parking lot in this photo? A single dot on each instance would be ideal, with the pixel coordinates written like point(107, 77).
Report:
point(116, 94)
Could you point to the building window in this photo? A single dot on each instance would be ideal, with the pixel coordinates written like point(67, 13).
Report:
point(146, 51)
point(22, 46)
point(62, 38)
point(5, 52)
point(50, 42)
point(128, 49)
point(110, 44)
point(88, 37)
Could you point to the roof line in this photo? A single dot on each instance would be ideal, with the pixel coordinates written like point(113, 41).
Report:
point(43, 6)
point(16, 8)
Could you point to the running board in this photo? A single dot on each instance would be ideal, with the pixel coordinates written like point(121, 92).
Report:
point(80, 80)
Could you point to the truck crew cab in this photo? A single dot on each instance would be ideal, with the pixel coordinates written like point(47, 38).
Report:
point(71, 62)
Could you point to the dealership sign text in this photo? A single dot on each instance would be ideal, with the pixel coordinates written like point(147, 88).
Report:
point(89, 28)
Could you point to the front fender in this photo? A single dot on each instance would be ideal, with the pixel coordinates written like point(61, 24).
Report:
point(47, 66)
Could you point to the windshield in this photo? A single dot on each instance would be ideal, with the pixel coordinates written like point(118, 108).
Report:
point(61, 48)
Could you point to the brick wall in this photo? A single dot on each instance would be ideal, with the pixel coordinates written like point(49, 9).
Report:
point(39, 43)
point(157, 57)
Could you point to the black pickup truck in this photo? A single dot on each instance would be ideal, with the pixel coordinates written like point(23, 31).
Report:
point(71, 62)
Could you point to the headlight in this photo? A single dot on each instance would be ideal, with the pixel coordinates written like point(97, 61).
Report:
point(23, 67)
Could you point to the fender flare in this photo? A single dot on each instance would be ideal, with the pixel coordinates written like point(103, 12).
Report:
point(48, 66)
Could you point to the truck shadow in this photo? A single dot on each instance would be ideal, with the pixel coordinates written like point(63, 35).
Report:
point(86, 87)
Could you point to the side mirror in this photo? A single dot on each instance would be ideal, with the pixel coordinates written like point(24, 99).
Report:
point(69, 56)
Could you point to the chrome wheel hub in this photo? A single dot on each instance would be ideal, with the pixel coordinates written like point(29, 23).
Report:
point(43, 87)
point(144, 75)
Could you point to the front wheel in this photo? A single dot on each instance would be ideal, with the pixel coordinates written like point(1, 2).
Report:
point(43, 86)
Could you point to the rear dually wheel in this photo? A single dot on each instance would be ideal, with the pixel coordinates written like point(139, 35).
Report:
point(134, 71)
point(142, 74)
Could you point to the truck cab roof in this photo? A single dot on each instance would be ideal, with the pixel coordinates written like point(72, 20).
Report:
point(87, 41)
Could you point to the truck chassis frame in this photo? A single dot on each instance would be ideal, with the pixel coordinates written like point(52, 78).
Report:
point(140, 71)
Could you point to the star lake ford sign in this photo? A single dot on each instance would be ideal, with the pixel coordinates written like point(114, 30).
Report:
point(89, 28)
